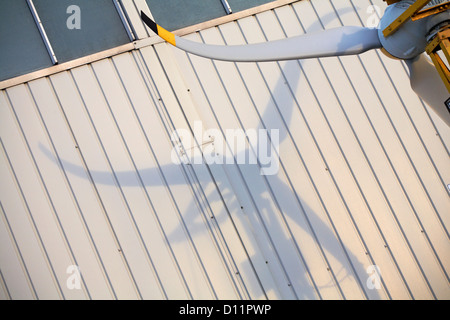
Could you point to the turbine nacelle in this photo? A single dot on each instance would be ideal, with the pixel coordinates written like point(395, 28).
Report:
point(412, 38)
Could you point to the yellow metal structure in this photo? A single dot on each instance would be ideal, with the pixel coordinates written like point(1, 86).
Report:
point(420, 14)
point(430, 11)
point(441, 42)
point(411, 11)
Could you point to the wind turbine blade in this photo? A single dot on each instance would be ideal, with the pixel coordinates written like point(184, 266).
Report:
point(327, 43)
point(427, 84)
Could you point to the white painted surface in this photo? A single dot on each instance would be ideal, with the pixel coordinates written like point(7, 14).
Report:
point(87, 177)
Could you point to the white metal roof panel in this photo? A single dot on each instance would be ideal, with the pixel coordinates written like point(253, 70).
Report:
point(88, 178)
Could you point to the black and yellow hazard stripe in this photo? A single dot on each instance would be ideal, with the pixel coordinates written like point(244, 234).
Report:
point(160, 31)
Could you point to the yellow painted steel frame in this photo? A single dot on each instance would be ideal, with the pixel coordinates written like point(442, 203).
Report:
point(441, 42)
point(430, 11)
point(411, 11)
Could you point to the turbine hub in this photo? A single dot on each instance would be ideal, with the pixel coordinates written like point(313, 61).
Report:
point(412, 38)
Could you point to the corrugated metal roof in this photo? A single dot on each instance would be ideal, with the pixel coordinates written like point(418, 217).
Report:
point(88, 178)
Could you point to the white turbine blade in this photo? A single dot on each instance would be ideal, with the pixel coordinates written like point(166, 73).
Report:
point(428, 85)
point(332, 42)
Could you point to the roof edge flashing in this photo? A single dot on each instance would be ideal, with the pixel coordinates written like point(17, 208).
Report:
point(138, 44)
